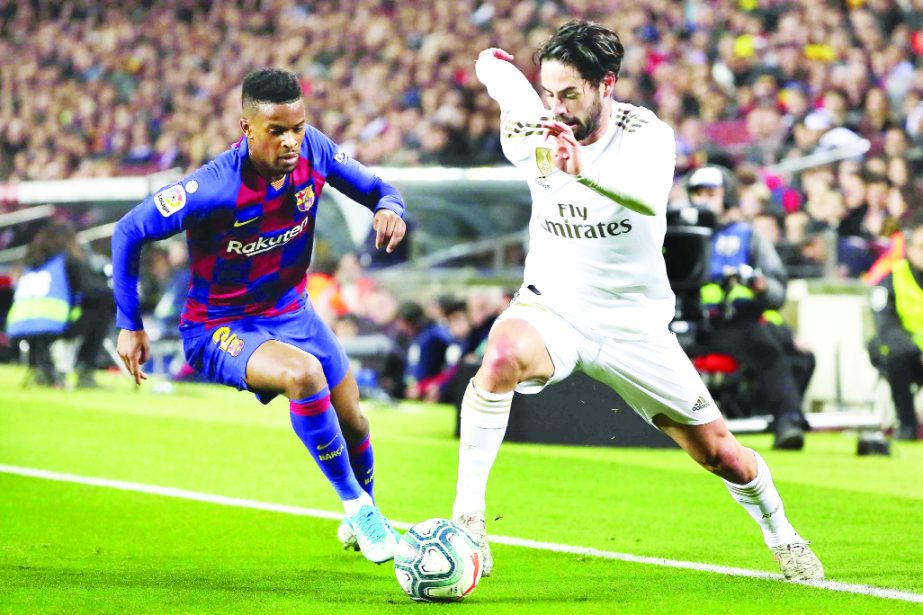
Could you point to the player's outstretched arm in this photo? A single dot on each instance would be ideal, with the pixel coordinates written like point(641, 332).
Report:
point(159, 216)
point(505, 83)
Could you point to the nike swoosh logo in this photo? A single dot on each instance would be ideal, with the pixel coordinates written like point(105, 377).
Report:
point(321, 447)
point(244, 222)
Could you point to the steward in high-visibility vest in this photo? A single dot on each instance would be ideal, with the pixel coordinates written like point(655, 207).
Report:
point(42, 301)
point(58, 294)
point(897, 349)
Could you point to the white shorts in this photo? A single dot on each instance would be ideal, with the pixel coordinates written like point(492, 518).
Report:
point(654, 376)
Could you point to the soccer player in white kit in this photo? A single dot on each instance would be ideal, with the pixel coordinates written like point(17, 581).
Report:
point(595, 295)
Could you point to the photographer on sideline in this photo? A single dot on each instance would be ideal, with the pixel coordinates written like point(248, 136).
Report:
point(747, 285)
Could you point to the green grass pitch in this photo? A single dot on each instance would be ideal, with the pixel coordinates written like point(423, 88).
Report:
point(67, 547)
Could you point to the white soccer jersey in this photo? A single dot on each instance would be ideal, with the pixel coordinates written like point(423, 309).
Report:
point(594, 261)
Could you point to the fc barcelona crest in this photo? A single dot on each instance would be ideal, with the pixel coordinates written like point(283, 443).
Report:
point(543, 161)
point(304, 199)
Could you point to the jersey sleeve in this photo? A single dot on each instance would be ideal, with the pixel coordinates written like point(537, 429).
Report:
point(353, 178)
point(161, 215)
point(641, 176)
point(521, 109)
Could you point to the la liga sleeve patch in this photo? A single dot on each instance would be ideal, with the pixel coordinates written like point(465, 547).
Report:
point(170, 200)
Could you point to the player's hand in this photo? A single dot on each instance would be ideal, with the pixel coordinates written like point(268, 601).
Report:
point(389, 229)
point(495, 52)
point(566, 151)
point(135, 349)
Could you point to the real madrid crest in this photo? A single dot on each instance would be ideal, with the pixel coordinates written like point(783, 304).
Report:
point(543, 161)
point(304, 199)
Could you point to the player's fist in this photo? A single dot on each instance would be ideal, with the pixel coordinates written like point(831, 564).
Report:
point(496, 52)
point(134, 348)
point(390, 229)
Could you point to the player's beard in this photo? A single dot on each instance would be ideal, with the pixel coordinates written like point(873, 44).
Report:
point(588, 124)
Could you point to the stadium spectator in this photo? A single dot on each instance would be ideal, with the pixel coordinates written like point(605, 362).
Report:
point(426, 351)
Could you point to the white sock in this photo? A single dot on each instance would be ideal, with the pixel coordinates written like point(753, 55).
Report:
point(351, 507)
point(484, 417)
point(761, 499)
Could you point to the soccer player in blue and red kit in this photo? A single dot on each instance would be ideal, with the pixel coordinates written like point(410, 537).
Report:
point(249, 218)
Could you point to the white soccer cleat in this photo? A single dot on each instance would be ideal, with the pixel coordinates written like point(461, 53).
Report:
point(373, 534)
point(347, 536)
point(475, 524)
point(798, 562)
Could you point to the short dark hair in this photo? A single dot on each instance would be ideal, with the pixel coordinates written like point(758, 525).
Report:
point(587, 46)
point(270, 85)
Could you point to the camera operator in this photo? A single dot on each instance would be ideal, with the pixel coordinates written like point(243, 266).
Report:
point(747, 284)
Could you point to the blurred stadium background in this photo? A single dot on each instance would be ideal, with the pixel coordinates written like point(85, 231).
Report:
point(816, 106)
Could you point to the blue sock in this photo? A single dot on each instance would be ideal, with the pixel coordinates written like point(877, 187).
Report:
point(363, 464)
point(315, 422)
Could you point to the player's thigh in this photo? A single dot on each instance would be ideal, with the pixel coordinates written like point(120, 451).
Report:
point(654, 376)
point(222, 354)
point(278, 366)
point(307, 331)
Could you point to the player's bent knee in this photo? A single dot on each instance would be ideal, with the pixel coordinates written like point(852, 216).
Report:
point(303, 377)
point(501, 365)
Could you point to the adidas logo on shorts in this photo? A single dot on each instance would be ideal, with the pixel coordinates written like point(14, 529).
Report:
point(700, 403)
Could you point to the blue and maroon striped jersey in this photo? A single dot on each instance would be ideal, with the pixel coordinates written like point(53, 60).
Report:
point(249, 243)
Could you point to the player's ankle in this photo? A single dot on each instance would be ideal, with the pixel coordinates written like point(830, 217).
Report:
point(351, 507)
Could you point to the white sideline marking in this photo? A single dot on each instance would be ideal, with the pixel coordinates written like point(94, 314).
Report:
point(851, 588)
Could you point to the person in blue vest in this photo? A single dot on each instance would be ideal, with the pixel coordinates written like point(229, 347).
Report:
point(897, 304)
point(59, 295)
point(747, 286)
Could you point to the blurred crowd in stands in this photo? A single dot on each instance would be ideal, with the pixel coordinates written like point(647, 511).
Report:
point(104, 88)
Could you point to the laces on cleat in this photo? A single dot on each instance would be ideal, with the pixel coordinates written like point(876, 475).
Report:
point(372, 523)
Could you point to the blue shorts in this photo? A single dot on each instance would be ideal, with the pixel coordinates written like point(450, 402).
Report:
point(221, 353)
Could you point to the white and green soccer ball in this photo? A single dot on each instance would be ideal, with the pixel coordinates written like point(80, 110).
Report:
point(437, 561)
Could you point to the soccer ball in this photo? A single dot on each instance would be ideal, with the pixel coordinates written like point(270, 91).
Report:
point(437, 561)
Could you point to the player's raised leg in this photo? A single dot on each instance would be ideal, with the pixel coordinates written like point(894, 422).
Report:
point(515, 353)
point(750, 483)
point(276, 366)
point(355, 426)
